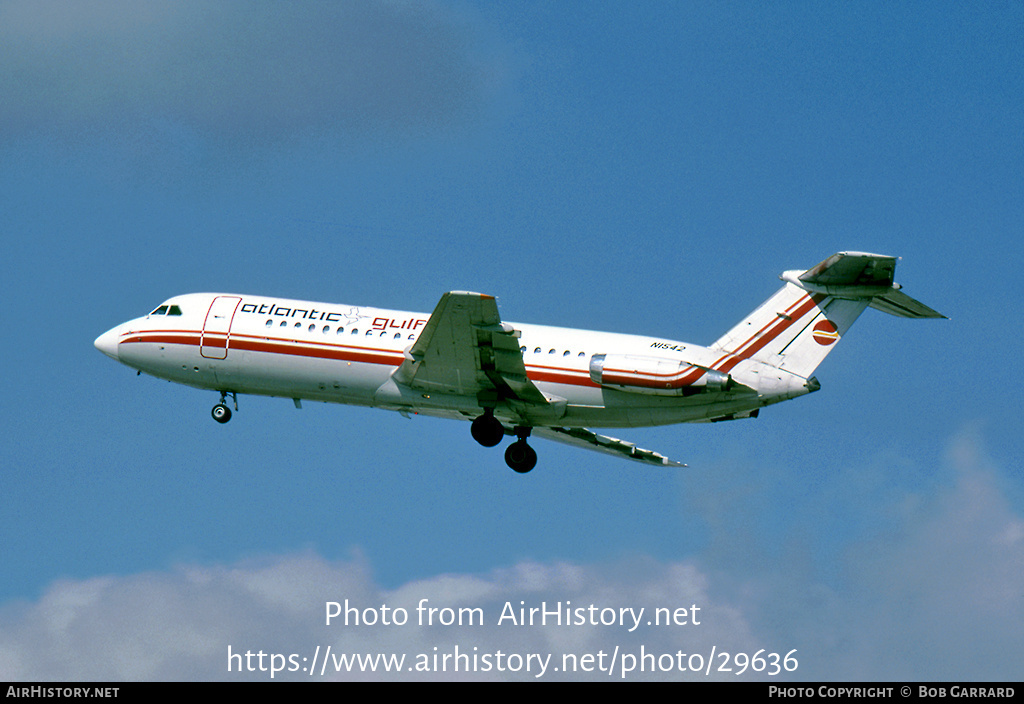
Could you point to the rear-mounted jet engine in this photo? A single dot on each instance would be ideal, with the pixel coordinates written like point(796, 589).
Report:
point(655, 375)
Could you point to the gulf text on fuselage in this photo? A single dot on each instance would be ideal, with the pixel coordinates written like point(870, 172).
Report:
point(379, 323)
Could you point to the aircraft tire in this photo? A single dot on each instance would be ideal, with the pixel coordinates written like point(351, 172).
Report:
point(487, 430)
point(521, 457)
point(221, 413)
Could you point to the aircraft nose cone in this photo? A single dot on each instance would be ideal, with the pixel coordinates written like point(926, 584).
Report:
point(107, 343)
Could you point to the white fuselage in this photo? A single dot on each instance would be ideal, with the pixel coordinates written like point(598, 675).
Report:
point(347, 354)
point(510, 379)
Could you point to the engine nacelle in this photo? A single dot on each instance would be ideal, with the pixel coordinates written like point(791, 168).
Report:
point(655, 375)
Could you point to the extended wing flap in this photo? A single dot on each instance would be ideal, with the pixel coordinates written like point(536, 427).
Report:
point(587, 439)
point(465, 349)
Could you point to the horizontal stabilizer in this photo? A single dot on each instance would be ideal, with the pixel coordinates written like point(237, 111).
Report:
point(587, 439)
point(859, 275)
point(852, 269)
point(895, 302)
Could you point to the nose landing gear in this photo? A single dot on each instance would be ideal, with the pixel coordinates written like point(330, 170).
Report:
point(221, 413)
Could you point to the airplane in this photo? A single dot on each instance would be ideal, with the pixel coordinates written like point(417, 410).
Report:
point(510, 379)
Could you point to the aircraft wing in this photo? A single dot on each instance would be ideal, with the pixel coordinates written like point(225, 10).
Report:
point(465, 349)
point(587, 439)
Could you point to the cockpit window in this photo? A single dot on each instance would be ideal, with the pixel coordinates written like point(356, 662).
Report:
point(167, 310)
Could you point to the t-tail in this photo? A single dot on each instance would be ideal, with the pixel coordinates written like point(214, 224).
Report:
point(797, 327)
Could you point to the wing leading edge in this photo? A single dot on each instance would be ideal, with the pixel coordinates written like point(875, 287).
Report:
point(465, 349)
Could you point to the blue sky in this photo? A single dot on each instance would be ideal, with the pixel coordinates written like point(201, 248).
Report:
point(645, 168)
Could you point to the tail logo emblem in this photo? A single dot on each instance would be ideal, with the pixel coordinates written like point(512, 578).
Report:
point(824, 333)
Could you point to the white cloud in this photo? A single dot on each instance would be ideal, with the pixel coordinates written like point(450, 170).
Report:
point(939, 598)
point(179, 624)
point(937, 594)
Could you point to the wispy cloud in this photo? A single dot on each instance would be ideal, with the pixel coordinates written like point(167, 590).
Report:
point(238, 70)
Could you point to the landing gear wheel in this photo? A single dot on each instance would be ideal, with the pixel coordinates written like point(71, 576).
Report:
point(487, 430)
point(221, 413)
point(520, 456)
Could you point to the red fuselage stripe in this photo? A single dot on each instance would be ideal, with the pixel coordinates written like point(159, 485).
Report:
point(769, 332)
point(344, 353)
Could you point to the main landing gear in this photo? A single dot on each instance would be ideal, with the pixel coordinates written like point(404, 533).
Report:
point(488, 431)
point(519, 455)
point(221, 413)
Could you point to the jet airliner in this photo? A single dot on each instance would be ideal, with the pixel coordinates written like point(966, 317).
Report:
point(509, 379)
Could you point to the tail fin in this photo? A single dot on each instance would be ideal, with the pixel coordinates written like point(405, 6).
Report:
point(797, 327)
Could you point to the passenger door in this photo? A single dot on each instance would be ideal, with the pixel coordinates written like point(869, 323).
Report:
point(213, 344)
